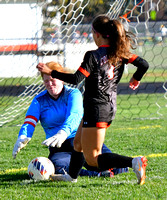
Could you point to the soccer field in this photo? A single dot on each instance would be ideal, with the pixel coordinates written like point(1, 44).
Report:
point(43, 31)
point(131, 138)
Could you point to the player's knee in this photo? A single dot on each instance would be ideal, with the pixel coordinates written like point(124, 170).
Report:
point(91, 161)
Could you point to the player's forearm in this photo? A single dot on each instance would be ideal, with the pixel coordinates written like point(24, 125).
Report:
point(142, 67)
point(26, 130)
point(68, 78)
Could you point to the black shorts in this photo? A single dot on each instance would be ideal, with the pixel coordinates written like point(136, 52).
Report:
point(98, 115)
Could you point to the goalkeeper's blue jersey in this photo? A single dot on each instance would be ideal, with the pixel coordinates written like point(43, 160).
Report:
point(64, 113)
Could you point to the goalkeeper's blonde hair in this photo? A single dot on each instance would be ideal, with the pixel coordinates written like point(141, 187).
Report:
point(54, 66)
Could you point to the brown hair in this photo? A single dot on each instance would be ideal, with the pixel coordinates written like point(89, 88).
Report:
point(54, 66)
point(120, 40)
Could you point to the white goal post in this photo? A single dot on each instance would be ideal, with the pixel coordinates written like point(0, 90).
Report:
point(38, 30)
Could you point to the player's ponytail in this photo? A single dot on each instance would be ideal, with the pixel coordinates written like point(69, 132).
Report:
point(120, 41)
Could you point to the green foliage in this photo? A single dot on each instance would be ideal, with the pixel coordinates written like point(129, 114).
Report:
point(131, 138)
point(94, 8)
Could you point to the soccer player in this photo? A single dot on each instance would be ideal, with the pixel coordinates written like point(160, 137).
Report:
point(163, 30)
point(102, 70)
point(60, 110)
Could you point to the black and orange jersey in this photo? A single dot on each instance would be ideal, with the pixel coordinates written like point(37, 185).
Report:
point(101, 78)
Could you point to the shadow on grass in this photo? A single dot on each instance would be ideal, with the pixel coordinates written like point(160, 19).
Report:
point(12, 178)
point(7, 180)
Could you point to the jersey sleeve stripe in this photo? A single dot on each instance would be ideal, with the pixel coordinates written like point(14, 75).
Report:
point(84, 72)
point(102, 124)
point(31, 117)
point(134, 56)
point(31, 120)
point(31, 123)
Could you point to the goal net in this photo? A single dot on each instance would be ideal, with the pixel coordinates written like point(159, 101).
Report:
point(41, 31)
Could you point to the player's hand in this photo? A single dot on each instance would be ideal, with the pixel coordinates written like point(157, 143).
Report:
point(133, 84)
point(44, 69)
point(56, 140)
point(20, 143)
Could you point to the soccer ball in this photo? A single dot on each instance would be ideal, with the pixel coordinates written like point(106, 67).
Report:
point(40, 168)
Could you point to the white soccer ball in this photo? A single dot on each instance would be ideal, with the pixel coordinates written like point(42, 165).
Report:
point(40, 168)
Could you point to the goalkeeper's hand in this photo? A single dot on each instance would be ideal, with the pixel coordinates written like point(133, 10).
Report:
point(56, 140)
point(20, 143)
point(133, 84)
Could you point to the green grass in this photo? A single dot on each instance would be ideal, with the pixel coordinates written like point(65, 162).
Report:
point(141, 106)
point(131, 138)
point(127, 137)
point(153, 75)
point(20, 81)
point(135, 106)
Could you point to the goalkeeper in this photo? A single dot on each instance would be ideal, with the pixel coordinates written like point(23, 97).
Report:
point(60, 110)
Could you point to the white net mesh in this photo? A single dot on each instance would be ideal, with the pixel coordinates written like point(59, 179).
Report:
point(61, 31)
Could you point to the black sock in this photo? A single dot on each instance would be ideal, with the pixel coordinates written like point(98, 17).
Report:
point(111, 160)
point(76, 163)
